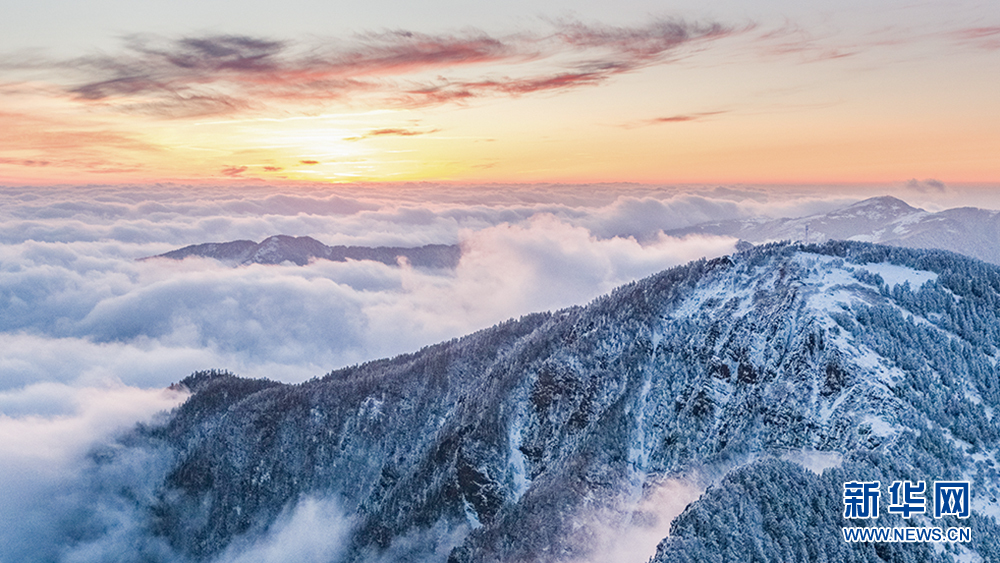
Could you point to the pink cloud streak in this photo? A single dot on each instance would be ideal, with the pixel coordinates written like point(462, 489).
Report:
point(229, 74)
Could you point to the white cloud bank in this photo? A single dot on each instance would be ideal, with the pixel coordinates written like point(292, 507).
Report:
point(315, 531)
point(631, 534)
point(41, 456)
point(80, 309)
point(102, 317)
point(89, 337)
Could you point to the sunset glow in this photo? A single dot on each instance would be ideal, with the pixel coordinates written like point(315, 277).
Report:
point(864, 94)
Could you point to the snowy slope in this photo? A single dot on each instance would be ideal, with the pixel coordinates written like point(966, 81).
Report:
point(739, 393)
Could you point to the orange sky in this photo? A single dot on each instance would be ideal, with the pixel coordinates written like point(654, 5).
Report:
point(729, 97)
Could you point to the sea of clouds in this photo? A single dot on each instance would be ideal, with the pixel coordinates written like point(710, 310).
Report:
point(80, 309)
point(91, 337)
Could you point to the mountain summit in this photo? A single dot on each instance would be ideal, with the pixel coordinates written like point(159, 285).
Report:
point(758, 383)
point(884, 220)
point(300, 251)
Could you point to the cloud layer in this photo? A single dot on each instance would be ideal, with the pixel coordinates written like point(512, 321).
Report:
point(81, 311)
point(41, 456)
point(226, 74)
point(81, 308)
point(90, 336)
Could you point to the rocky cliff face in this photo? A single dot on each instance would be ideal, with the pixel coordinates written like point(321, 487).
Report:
point(530, 440)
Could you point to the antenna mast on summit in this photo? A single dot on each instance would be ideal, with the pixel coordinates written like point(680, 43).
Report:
point(807, 233)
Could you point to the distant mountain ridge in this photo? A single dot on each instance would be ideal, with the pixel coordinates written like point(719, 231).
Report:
point(302, 250)
point(884, 220)
point(523, 441)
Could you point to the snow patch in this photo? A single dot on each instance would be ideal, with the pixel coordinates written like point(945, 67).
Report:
point(898, 275)
point(984, 504)
point(813, 460)
point(470, 515)
point(827, 283)
point(516, 467)
point(965, 555)
point(371, 407)
point(880, 426)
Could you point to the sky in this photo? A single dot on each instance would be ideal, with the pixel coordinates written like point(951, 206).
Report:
point(571, 92)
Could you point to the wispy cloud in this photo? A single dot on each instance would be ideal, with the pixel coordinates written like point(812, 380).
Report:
point(792, 39)
point(39, 141)
point(605, 51)
point(819, 44)
point(24, 162)
point(392, 132)
point(929, 185)
point(399, 132)
point(982, 37)
point(234, 170)
point(680, 118)
point(24, 131)
point(225, 74)
point(673, 119)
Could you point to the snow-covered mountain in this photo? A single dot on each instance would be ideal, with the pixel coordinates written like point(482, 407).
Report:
point(301, 250)
point(741, 393)
point(885, 220)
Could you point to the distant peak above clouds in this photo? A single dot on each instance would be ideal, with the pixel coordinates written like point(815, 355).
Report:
point(279, 249)
point(880, 207)
point(884, 219)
